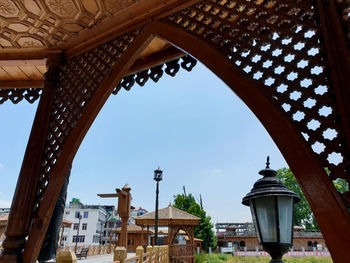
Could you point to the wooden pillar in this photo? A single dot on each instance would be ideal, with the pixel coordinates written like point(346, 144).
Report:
point(120, 254)
point(139, 253)
point(23, 201)
point(142, 236)
point(66, 257)
point(123, 236)
point(148, 236)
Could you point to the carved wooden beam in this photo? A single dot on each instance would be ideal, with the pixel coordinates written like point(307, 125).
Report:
point(21, 84)
point(22, 205)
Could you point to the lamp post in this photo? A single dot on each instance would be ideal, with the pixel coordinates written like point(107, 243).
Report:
point(272, 207)
point(158, 174)
point(76, 239)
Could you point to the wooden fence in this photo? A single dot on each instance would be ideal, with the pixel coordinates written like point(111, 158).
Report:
point(93, 249)
point(155, 254)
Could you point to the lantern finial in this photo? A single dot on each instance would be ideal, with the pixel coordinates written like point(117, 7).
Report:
point(268, 162)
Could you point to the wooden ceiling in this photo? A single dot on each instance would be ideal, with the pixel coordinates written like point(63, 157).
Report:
point(32, 30)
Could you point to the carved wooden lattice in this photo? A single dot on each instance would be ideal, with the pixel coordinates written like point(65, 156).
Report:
point(80, 78)
point(156, 72)
point(277, 43)
point(172, 67)
point(17, 95)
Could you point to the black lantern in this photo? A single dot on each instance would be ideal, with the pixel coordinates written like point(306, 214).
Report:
point(158, 175)
point(272, 207)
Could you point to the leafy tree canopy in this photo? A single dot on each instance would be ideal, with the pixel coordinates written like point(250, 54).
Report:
point(303, 215)
point(204, 230)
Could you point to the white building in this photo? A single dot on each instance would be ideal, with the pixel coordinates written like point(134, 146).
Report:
point(137, 211)
point(90, 228)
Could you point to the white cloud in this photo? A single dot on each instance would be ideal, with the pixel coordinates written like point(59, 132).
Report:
point(5, 203)
point(217, 171)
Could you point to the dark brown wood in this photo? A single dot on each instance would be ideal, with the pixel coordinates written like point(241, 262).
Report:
point(107, 195)
point(21, 84)
point(210, 48)
point(28, 53)
point(125, 22)
point(73, 142)
point(339, 57)
point(156, 59)
point(22, 204)
point(309, 173)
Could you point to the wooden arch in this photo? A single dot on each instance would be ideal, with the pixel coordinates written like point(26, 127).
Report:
point(175, 229)
point(75, 92)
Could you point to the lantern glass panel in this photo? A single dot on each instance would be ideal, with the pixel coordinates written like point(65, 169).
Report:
point(254, 219)
point(266, 215)
point(285, 210)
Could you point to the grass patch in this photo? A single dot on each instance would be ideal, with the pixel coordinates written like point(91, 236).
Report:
point(220, 258)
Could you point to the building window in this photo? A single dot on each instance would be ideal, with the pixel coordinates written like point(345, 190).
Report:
point(95, 239)
point(78, 239)
point(77, 214)
point(86, 214)
point(75, 226)
point(84, 226)
point(64, 238)
point(67, 212)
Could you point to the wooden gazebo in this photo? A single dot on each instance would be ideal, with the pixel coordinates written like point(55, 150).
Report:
point(176, 220)
point(288, 60)
point(137, 236)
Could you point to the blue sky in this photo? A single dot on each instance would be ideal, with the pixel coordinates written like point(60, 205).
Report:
point(193, 126)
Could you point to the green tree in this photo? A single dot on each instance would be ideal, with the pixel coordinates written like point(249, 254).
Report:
point(303, 215)
point(204, 230)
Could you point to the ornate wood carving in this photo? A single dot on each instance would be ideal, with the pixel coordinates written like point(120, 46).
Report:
point(155, 73)
point(274, 48)
point(20, 217)
point(49, 23)
point(278, 44)
point(17, 95)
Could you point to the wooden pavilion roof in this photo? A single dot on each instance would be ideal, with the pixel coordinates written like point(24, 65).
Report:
point(168, 216)
point(135, 229)
point(66, 223)
point(31, 31)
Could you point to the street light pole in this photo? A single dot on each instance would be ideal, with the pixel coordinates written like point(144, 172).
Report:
point(76, 239)
point(156, 219)
point(157, 177)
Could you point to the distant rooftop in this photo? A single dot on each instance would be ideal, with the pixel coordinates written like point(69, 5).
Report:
point(168, 215)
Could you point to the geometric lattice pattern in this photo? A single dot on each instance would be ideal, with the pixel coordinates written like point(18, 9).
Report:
point(154, 73)
point(49, 23)
point(80, 78)
point(278, 44)
point(171, 68)
point(17, 95)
